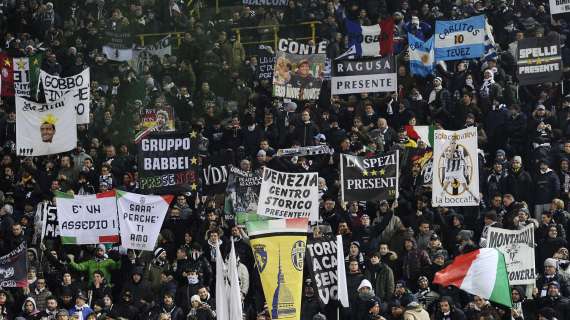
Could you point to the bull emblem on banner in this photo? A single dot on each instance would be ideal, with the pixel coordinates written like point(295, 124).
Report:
point(6, 272)
point(260, 256)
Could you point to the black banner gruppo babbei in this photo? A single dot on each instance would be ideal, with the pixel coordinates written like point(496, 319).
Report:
point(13, 268)
point(167, 159)
point(369, 179)
point(539, 60)
point(321, 261)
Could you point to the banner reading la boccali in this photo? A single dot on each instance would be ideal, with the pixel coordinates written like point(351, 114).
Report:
point(460, 39)
point(167, 159)
point(55, 88)
point(279, 251)
point(87, 219)
point(518, 248)
point(357, 76)
point(559, 6)
point(322, 266)
point(289, 195)
point(539, 60)
point(298, 76)
point(455, 168)
point(13, 266)
point(140, 218)
point(45, 128)
point(370, 179)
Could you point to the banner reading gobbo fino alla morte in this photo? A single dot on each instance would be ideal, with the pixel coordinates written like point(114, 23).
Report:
point(518, 248)
point(455, 168)
point(289, 195)
point(279, 251)
point(369, 179)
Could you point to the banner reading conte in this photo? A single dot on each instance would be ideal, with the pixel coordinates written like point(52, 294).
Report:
point(455, 168)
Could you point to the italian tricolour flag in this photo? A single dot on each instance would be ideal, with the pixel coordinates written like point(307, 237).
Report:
point(424, 133)
point(481, 272)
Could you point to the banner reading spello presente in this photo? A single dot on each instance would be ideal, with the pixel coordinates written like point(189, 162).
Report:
point(87, 219)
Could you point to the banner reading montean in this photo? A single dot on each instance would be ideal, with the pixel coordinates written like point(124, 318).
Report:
point(56, 87)
point(297, 76)
point(88, 219)
point(518, 248)
point(539, 60)
point(559, 6)
point(289, 195)
point(455, 168)
point(321, 257)
point(369, 179)
point(167, 159)
point(14, 265)
point(370, 75)
point(140, 218)
point(279, 251)
point(45, 128)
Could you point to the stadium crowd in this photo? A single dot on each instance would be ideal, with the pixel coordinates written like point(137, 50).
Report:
point(393, 249)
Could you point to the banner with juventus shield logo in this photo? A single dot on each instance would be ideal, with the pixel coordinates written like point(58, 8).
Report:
point(455, 168)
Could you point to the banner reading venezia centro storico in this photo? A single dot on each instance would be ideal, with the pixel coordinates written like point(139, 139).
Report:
point(370, 179)
point(167, 159)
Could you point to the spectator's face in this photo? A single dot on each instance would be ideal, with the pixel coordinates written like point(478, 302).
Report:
point(305, 116)
point(203, 293)
point(41, 283)
point(553, 291)
point(479, 302)
point(424, 228)
point(17, 230)
point(51, 304)
point(29, 306)
point(549, 270)
point(2, 298)
point(97, 278)
point(515, 296)
point(168, 300)
point(66, 278)
point(408, 245)
point(444, 306)
point(353, 266)
point(107, 301)
point(136, 278)
point(374, 260)
point(383, 249)
point(214, 237)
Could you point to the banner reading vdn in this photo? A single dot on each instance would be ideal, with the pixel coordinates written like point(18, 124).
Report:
point(369, 179)
point(141, 217)
point(56, 87)
point(460, 39)
point(89, 219)
point(364, 75)
point(518, 248)
point(455, 168)
point(45, 128)
point(289, 195)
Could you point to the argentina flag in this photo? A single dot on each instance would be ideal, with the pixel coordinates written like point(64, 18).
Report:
point(460, 39)
point(421, 56)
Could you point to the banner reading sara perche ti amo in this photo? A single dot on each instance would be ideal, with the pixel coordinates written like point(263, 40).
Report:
point(518, 248)
point(289, 195)
point(87, 219)
point(370, 179)
point(321, 259)
point(279, 251)
point(460, 39)
point(299, 70)
point(45, 128)
point(364, 75)
point(168, 159)
point(140, 218)
point(78, 85)
point(539, 60)
point(13, 266)
point(455, 168)
point(559, 6)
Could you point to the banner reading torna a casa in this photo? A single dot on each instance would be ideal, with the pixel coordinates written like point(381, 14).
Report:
point(87, 219)
point(168, 159)
point(279, 251)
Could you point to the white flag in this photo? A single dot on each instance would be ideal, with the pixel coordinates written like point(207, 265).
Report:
point(340, 273)
point(222, 307)
point(235, 309)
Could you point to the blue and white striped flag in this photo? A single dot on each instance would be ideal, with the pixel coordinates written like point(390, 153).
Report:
point(490, 50)
point(460, 39)
point(421, 56)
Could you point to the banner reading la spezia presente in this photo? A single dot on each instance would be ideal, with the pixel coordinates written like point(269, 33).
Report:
point(87, 219)
point(45, 128)
point(140, 218)
point(455, 168)
point(78, 85)
point(289, 195)
point(518, 248)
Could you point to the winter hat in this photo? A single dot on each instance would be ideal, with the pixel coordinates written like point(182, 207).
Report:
point(102, 247)
point(82, 295)
point(371, 303)
point(158, 251)
point(356, 243)
point(500, 152)
point(408, 300)
point(364, 283)
point(550, 262)
point(548, 313)
point(195, 298)
point(554, 283)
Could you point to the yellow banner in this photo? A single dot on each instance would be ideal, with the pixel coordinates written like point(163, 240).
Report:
point(279, 259)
